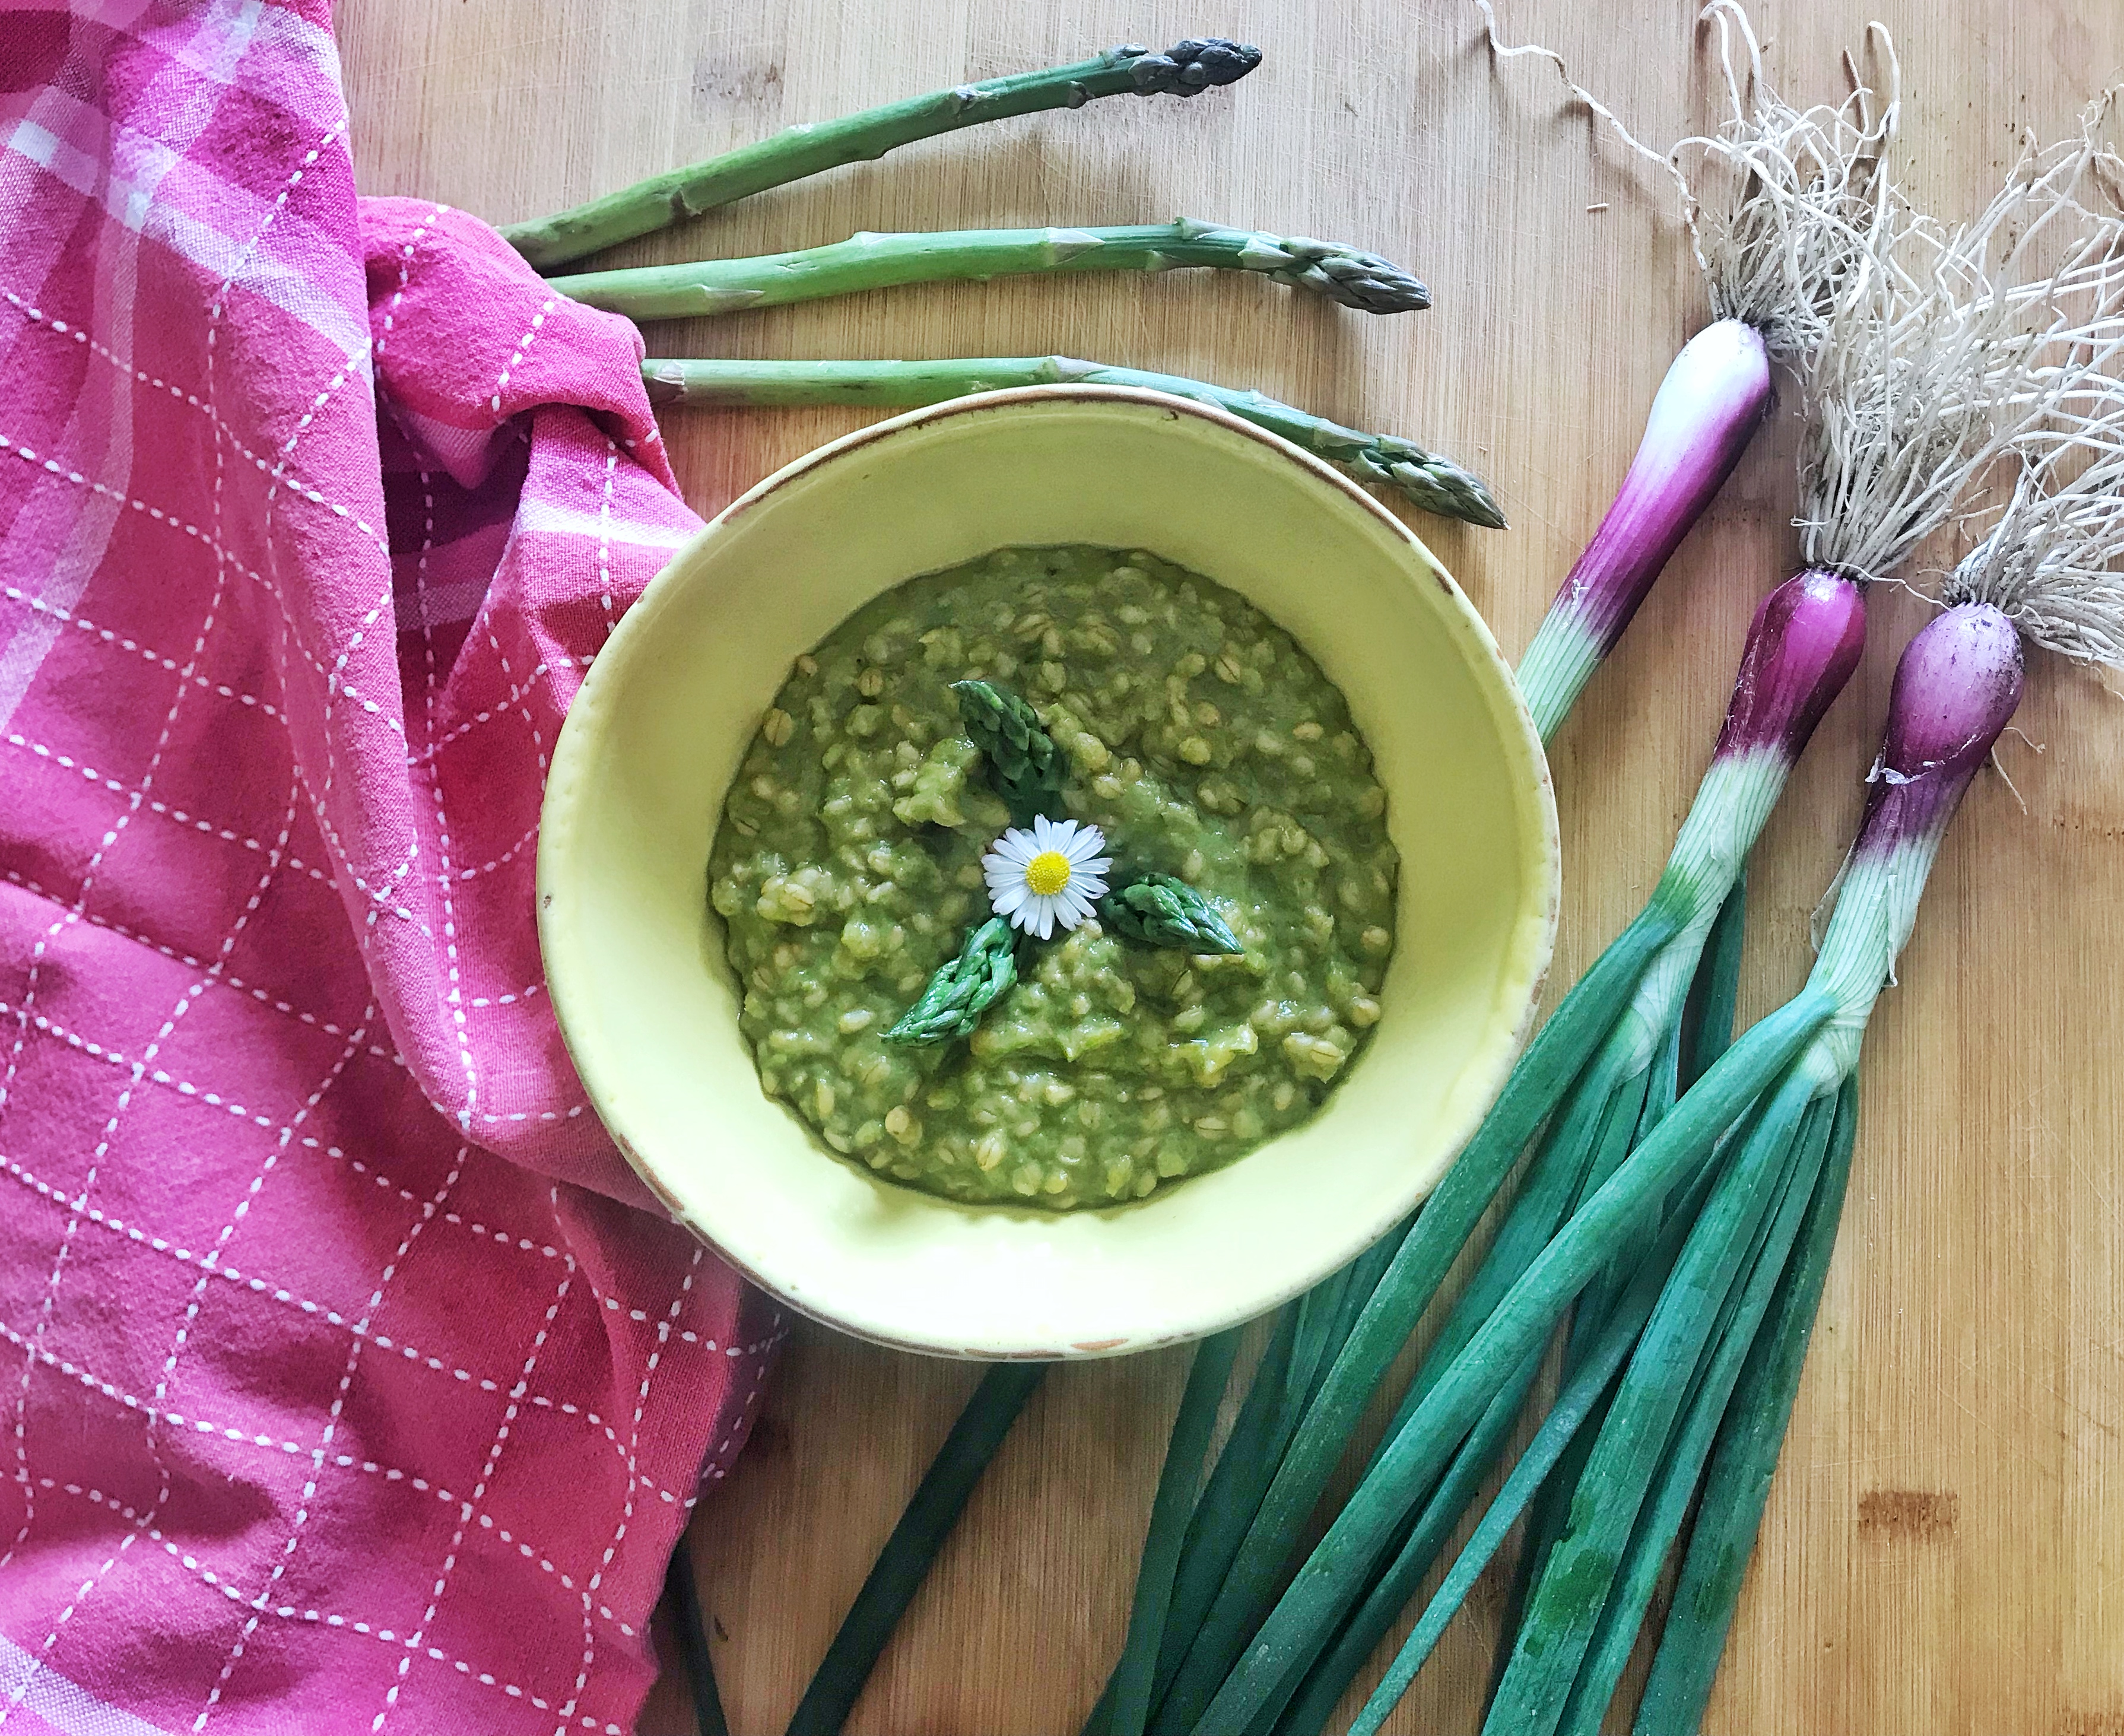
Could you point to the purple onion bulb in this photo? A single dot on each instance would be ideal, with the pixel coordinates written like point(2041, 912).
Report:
point(1801, 647)
point(1956, 690)
point(1710, 403)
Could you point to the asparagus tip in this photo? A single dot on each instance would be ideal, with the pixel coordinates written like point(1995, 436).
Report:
point(1440, 486)
point(1188, 67)
point(1356, 278)
point(1483, 508)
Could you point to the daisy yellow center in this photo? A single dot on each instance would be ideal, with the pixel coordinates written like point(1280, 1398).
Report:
point(1047, 873)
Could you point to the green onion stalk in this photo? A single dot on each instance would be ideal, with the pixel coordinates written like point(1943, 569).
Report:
point(1426, 479)
point(1935, 371)
point(1927, 379)
point(1181, 70)
point(1347, 275)
point(1972, 348)
point(904, 1561)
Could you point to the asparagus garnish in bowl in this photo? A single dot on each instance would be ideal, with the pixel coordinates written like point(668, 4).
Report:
point(962, 989)
point(1346, 274)
point(663, 199)
point(1027, 766)
point(1161, 910)
point(1436, 484)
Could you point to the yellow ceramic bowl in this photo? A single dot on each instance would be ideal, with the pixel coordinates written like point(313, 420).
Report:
point(635, 956)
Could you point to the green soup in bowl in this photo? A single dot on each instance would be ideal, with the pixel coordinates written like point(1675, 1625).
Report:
point(1197, 741)
point(1420, 994)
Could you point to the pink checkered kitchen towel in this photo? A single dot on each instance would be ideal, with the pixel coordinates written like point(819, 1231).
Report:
point(348, 1380)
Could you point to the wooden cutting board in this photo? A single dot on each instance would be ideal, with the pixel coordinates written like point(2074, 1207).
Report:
point(1944, 1550)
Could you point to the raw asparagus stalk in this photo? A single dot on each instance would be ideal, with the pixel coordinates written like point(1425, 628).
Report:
point(663, 199)
point(1436, 484)
point(1162, 911)
point(1026, 765)
point(961, 991)
point(1345, 275)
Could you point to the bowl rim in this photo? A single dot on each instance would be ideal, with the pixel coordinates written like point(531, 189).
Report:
point(1543, 845)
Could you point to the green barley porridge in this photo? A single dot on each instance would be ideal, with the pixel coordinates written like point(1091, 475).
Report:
point(1204, 744)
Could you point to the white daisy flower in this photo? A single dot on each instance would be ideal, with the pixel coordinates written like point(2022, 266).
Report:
point(1047, 875)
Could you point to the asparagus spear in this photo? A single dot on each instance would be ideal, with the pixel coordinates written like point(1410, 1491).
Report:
point(663, 199)
point(1026, 765)
point(1435, 484)
point(961, 989)
point(869, 261)
point(1162, 911)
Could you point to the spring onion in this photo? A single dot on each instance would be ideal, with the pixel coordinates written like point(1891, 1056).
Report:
point(1207, 1374)
point(1713, 398)
point(1801, 647)
point(1783, 230)
point(1583, 1396)
point(1668, 1499)
point(1600, 1047)
point(1737, 1485)
point(684, 1595)
point(1885, 462)
point(904, 1561)
point(1307, 1336)
point(1728, 1266)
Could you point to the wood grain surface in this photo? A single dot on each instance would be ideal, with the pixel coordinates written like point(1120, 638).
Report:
point(1944, 1550)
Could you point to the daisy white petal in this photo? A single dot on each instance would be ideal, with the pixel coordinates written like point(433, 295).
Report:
point(1046, 875)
